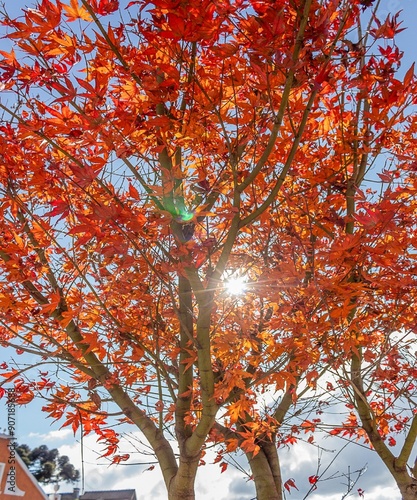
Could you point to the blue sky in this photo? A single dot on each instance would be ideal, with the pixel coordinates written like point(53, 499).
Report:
point(34, 429)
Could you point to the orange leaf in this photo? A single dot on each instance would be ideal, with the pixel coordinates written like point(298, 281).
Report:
point(75, 11)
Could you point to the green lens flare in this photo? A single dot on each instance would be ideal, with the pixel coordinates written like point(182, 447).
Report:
point(186, 216)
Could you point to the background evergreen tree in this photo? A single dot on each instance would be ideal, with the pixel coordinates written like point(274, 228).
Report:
point(46, 465)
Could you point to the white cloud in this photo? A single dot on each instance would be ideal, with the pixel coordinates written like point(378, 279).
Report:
point(383, 493)
point(210, 484)
point(297, 457)
point(378, 493)
point(52, 436)
point(298, 462)
point(99, 475)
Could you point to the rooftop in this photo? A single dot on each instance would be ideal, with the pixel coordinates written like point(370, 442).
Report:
point(102, 495)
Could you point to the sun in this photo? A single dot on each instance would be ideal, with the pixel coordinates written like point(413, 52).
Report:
point(235, 286)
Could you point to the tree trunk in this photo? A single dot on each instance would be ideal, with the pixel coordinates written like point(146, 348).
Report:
point(181, 486)
point(396, 466)
point(406, 484)
point(266, 472)
point(409, 491)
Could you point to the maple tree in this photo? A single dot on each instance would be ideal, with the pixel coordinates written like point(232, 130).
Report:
point(152, 151)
